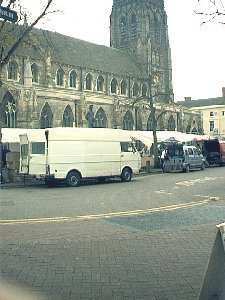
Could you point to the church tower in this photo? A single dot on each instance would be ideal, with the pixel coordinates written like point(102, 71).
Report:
point(140, 27)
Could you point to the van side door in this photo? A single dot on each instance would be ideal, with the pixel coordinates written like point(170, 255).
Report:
point(37, 158)
point(24, 154)
point(130, 157)
point(191, 158)
point(198, 157)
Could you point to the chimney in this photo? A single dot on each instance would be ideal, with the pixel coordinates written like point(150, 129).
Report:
point(223, 92)
point(187, 99)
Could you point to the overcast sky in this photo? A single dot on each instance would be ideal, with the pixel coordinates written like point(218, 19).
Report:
point(198, 52)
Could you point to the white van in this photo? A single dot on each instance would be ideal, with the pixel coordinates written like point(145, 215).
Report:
point(73, 154)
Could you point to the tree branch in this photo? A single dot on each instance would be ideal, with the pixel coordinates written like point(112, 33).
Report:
point(24, 34)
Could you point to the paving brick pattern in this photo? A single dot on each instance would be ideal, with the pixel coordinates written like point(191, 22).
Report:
point(98, 260)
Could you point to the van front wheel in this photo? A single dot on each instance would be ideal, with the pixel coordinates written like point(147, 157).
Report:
point(126, 175)
point(73, 179)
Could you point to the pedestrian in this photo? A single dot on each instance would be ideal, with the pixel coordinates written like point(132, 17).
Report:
point(163, 158)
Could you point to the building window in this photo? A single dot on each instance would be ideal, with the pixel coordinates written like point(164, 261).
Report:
point(160, 123)
point(150, 123)
point(144, 90)
point(211, 114)
point(46, 119)
point(8, 111)
point(100, 119)
point(128, 121)
point(88, 82)
point(13, 70)
point(123, 31)
point(100, 84)
point(211, 126)
point(133, 23)
point(35, 73)
point(114, 86)
point(135, 90)
point(123, 87)
point(171, 124)
point(60, 77)
point(73, 79)
point(68, 118)
point(223, 113)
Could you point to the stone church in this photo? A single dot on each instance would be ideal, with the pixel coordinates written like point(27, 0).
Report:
point(56, 80)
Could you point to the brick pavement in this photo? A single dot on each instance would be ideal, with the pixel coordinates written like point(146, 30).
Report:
point(103, 260)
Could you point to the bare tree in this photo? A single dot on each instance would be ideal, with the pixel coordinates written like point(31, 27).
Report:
point(211, 10)
point(9, 43)
point(149, 102)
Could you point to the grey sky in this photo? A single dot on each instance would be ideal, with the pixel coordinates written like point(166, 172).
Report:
point(197, 51)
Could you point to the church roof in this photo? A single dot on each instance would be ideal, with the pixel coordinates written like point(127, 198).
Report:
point(71, 51)
point(203, 102)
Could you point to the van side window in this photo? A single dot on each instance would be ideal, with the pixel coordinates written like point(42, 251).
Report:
point(38, 148)
point(127, 147)
point(190, 151)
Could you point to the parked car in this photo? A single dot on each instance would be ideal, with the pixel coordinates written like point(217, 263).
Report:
point(214, 152)
point(193, 159)
point(183, 158)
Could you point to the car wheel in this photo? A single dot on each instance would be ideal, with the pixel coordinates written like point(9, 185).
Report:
point(126, 175)
point(73, 179)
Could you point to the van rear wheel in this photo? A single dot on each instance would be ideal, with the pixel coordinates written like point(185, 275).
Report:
point(126, 175)
point(73, 179)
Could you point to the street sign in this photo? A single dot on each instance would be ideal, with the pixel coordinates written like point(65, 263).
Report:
point(8, 14)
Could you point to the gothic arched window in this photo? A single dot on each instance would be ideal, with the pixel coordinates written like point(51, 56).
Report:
point(46, 119)
point(35, 73)
point(194, 130)
point(133, 24)
point(100, 84)
point(12, 70)
point(88, 82)
point(150, 124)
point(157, 27)
point(128, 121)
point(100, 119)
point(114, 86)
point(138, 120)
point(135, 90)
point(160, 124)
point(171, 124)
point(8, 111)
point(60, 77)
point(188, 129)
point(144, 90)
point(73, 79)
point(123, 31)
point(123, 87)
point(68, 118)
